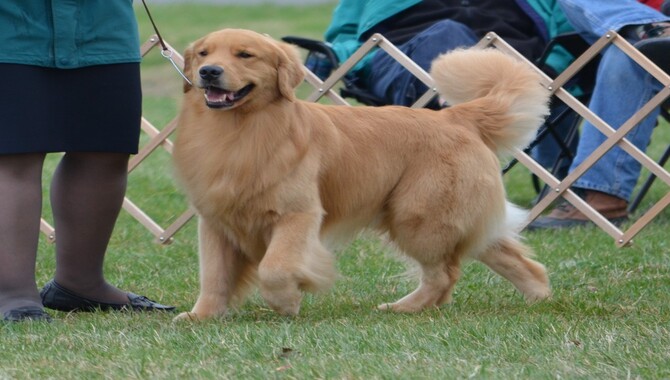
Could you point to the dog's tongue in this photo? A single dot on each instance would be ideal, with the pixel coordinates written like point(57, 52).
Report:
point(217, 95)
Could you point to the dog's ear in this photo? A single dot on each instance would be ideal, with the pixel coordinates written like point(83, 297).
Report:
point(188, 57)
point(290, 70)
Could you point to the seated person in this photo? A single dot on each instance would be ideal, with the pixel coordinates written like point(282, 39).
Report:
point(622, 88)
point(424, 29)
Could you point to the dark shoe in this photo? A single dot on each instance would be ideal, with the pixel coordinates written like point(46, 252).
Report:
point(26, 313)
point(57, 297)
point(654, 42)
point(566, 215)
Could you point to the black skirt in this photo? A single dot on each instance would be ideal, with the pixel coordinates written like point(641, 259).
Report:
point(90, 109)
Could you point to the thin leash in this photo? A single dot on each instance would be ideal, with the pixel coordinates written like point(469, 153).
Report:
point(165, 51)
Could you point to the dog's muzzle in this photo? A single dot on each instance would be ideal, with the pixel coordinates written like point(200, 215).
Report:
point(210, 73)
point(216, 96)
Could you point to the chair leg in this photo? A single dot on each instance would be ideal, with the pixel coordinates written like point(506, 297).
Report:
point(549, 128)
point(647, 184)
point(565, 154)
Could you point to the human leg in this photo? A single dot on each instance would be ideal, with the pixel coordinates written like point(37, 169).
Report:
point(622, 88)
point(616, 172)
point(391, 81)
point(594, 18)
point(20, 210)
point(87, 194)
point(642, 25)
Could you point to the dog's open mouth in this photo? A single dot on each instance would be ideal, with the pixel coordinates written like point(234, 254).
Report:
point(219, 98)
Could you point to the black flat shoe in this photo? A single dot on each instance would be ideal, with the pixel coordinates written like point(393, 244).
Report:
point(57, 297)
point(26, 313)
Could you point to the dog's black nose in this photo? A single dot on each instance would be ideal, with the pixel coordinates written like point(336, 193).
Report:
point(210, 72)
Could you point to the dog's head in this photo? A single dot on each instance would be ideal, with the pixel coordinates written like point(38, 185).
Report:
point(237, 68)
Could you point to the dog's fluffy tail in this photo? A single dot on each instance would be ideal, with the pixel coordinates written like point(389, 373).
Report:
point(501, 93)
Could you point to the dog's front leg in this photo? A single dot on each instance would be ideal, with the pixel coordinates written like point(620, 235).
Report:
point(295, 261)
point(224, 274)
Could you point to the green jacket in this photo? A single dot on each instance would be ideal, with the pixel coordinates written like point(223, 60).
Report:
point(68, 33)
point(352, 18)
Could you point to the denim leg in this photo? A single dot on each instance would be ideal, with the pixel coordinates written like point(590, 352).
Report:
point(391, 81)
point(622, 88)
point(593, 18)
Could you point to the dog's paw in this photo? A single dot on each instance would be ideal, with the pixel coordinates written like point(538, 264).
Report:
point(397, 308)
point(540, 294)
point(187, 316)
point(291, 309)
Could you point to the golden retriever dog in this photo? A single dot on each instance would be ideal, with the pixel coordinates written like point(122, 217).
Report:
point(279, 183)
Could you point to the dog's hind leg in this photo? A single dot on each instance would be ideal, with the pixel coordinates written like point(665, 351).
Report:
point(294, 262)
point(426, 230)
point(226, 275)
point(437, 283)
point(508, 258)
point(439, 256)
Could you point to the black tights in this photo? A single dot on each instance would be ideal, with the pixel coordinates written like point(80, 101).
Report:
point(86, 196)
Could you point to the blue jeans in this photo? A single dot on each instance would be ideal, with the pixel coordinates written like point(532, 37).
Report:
point(389, 80)
point(622, 88)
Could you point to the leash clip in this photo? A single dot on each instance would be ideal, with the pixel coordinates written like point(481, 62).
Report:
point(165, 51)
point(167, 54)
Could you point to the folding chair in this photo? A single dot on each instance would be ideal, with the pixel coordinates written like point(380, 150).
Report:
point(319, 51)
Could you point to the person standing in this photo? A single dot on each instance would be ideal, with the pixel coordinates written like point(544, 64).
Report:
point(71, 83)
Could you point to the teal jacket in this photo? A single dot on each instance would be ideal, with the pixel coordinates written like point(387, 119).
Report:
point(550, 19)
point(68, 33)
point(352, 18)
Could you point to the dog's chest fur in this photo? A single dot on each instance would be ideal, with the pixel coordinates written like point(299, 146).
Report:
point(252, 173)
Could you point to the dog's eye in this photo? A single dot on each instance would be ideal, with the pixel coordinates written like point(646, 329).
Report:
point(244, 54)
point(202, 53)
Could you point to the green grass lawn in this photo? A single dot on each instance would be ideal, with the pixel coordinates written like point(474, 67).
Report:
point(608, 318)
